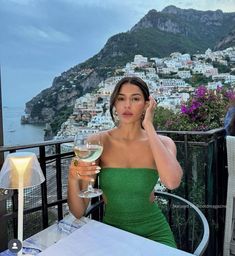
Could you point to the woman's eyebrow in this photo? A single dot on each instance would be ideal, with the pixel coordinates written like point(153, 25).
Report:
point(133, 94)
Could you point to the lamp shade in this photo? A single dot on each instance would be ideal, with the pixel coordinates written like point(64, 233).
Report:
point(21, 170)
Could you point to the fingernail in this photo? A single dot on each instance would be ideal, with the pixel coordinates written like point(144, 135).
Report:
point(92, 180)
point(98, 168)
point(75, 162)
point(97, 171)
point(93, 163)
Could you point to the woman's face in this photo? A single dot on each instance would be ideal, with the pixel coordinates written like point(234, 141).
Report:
point(130, 103)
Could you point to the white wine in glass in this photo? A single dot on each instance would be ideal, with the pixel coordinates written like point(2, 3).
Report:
point(88, 151)
point(88, 154)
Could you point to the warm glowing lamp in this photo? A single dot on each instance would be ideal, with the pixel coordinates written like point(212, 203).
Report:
point(21, 170)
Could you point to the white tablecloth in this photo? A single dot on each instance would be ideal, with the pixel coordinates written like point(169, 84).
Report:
point(98, 239)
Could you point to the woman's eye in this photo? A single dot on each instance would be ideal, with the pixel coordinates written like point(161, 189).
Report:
point(135, 99)
point(120, 99)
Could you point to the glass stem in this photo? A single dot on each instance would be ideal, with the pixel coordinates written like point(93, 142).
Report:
point(90, 187)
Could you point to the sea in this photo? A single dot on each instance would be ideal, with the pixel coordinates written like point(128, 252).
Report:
point(15, 133)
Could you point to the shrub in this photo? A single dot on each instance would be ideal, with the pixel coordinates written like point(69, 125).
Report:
point(204, 110)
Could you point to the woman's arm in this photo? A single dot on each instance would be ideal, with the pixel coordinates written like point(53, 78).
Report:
point(80, 174)
point(164, 151)
point(76, 183)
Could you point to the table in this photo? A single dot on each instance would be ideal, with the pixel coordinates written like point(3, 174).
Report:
point(86, 237)
point(49, 236)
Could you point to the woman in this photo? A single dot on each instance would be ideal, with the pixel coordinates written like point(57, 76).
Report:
point(133, 158)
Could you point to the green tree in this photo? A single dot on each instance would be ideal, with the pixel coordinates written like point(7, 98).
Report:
point(198, 79)
point(221, 67)
point(208, 60)
point(227, 58)
point(61, 117)
point(161, 117)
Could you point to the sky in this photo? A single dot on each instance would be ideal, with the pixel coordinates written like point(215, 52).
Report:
point(40, 39)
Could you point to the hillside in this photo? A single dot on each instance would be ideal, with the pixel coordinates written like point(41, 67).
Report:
point(157, 34)
point(227, 41)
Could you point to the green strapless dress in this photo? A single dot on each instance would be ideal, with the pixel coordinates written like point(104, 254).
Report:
point(127, 191)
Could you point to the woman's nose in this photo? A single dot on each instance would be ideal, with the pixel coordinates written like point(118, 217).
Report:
point(127, 103)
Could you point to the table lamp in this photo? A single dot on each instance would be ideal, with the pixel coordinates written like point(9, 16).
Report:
point(21, 170)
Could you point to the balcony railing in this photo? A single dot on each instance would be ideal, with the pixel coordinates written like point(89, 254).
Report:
point(202, 156)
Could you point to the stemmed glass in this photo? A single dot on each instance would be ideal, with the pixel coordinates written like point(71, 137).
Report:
point(88, 150)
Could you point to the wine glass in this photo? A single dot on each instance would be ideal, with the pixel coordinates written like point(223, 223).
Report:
point(88, 150)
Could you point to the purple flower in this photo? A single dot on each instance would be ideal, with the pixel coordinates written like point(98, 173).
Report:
point(201, 91)
point(195, 105)
point(184, 109)
point(204, 109)
point(230, 95)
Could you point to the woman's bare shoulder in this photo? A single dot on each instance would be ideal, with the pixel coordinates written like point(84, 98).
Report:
point(168, 142)
point(103, 135)
point(165, 138)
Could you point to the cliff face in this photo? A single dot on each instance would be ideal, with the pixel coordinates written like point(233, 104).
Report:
point(158, 20)
point(157, 34)
point(207, 26)
point(227, 41)
point(61, 95)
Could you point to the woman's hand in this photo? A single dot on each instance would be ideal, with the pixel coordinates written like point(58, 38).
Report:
point(80, 170)
point(149, 114)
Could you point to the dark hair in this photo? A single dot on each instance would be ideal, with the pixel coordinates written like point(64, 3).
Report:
point(132, 80)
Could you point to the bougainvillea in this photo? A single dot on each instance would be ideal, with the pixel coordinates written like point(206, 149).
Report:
point(204, 110)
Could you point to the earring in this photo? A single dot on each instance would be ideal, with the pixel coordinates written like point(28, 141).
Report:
point(142, 116)
point(116, 118)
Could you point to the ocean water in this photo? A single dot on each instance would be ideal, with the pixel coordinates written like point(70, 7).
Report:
point(16, 133)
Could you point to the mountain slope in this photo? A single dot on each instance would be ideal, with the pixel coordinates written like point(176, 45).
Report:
point(157, 34)
point(227, 41)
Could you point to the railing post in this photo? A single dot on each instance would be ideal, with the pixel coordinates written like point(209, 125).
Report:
point(42, 159)
point(186, 168)
point(3, 229)
point(59, 181)
point(222, 181)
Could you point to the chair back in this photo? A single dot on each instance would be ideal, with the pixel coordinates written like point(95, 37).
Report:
point(230, 144)
point(188, 223)
point(229, 232)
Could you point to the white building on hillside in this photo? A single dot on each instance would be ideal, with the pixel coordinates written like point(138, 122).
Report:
point(173, 82)
point(183, 74)
point(140, 61)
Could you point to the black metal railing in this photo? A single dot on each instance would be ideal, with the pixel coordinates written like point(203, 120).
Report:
point(202, 156)
point(43, 204)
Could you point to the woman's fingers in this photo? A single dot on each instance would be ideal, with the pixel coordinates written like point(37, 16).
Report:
point(153, 102)
point(83, 170)
point(151, 107)
point(88, 170)
point(77, 162)
point(86, 178)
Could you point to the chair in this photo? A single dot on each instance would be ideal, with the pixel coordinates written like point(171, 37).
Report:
point(229, 232)
point(171, 202)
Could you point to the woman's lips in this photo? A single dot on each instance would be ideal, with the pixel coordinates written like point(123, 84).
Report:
point(127, 114)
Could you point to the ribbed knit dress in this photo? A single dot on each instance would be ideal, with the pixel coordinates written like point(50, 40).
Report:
point(127, 192)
